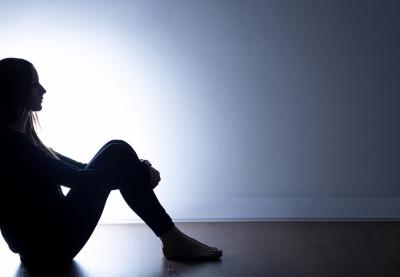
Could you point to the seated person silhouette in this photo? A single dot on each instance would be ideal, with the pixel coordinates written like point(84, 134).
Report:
point(46, 228)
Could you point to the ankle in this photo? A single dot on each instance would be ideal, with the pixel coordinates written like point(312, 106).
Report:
point(168, 235)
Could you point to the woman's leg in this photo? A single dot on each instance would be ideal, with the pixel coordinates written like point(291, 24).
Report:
point(86, 206)
point(142, 200)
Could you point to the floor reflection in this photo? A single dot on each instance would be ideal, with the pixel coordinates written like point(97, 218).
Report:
point(73, 270)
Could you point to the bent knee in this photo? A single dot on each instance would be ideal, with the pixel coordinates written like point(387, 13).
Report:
point(117, 141)
point(117, 146)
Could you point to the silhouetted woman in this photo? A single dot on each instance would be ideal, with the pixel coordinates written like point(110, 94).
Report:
point(37, 221)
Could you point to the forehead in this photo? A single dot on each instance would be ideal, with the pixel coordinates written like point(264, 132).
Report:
point(35, 75)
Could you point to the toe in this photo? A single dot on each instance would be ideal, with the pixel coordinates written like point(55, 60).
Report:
point(216, 253)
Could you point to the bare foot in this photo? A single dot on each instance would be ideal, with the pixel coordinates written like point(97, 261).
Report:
point(178, 246)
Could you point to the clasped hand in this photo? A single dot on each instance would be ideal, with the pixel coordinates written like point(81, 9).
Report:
point(154, 174)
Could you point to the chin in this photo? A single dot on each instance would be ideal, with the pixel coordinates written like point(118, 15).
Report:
point(36, 109)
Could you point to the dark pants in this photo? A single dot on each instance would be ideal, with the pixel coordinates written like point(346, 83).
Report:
point(84, 206)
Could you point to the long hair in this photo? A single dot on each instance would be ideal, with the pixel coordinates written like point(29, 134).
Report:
point(15, 83)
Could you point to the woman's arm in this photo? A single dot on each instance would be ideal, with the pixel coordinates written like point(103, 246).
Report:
point(36, 165)
point(70, 161)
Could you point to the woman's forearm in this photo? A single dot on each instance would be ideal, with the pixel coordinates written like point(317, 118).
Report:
point(110, 178)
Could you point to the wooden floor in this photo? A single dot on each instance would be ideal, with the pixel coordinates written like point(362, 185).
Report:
point(250, 249)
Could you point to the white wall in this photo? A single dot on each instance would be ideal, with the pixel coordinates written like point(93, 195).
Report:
point(249, 109)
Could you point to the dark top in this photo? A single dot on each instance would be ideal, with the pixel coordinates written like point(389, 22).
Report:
point(30, 179)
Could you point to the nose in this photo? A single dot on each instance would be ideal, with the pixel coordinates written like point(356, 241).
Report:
point(43, 89)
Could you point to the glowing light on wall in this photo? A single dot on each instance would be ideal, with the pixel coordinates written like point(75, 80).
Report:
point(97, 90)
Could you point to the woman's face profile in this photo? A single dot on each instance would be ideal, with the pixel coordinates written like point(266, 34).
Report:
point(36, 92)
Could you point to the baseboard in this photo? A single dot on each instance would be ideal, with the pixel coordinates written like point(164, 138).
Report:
point(223, 209)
